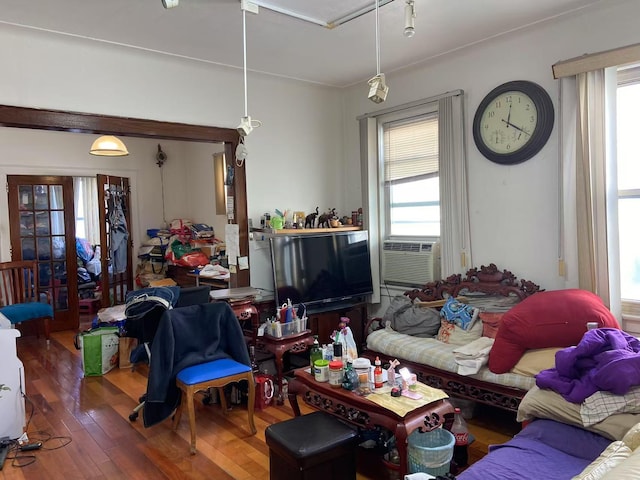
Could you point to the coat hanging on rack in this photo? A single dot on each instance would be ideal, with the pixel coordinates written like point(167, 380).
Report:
point(118, 230)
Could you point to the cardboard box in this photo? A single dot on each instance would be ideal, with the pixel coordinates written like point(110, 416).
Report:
point(124, 350)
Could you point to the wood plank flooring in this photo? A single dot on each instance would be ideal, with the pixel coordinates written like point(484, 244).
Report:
point(84, 426)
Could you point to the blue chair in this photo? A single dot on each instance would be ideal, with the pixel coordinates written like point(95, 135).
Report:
point(20, 298)
point(196, 348)
point(214, 374)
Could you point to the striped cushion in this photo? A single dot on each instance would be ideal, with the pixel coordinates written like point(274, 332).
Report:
point(21, 312)
point(429, 351)
point(211, 371)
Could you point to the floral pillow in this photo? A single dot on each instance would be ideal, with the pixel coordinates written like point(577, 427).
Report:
point(458, 313)
point(454, 335)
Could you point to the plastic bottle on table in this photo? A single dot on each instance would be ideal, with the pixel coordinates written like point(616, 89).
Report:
point(461, 431)
point(315, 353)
point(377, 374)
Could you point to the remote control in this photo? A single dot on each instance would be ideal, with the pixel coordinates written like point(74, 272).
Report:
point(4, 449)
point(30, 446)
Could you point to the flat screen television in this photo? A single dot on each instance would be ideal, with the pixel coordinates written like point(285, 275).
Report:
point(321, 270)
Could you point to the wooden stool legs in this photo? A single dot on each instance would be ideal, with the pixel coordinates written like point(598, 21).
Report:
point(188, 392)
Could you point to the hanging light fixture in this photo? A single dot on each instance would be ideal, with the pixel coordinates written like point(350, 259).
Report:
point(246, 124)
point(109, 146)
point(409, 18)
point(377, 88)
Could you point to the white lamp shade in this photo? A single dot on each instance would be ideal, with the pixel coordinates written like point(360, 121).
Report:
point(109, 146)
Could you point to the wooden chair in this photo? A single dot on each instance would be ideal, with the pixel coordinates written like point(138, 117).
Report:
point(210, 335)
point(214, 374)
point(19, 296)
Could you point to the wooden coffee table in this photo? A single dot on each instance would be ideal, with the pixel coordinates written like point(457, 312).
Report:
point(364, 413)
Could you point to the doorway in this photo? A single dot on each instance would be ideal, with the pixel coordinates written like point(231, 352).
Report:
point(31, 118)
point(42, 228)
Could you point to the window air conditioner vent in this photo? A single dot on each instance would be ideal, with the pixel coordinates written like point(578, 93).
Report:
point(410, 263)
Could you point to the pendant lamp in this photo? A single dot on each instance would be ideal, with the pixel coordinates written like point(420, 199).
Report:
point(109, 146)
point(377, 87)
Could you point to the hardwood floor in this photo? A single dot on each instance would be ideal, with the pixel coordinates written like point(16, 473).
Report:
point(86, 434)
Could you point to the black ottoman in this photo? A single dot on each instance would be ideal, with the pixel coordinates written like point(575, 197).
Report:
point(316, 446)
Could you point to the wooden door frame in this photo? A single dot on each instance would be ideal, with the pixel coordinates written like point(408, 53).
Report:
point(76, 122)
point(65, 318)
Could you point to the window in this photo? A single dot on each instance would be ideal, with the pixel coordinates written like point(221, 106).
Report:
point(411, 176)
point(628, 165)
point(414, 172)
point(85, 191)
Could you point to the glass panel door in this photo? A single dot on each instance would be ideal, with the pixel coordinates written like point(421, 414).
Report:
point(41, 231)
point(115, 236)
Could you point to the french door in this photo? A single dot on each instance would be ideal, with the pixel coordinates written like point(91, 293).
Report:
point(42, 228)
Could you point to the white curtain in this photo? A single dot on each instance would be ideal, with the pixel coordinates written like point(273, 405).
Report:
point(85, 191)
point(371, 196)
point(593, 161)
point(455, 247)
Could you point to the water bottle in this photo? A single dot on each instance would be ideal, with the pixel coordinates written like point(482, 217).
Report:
point(315, 353)
point(461, 432)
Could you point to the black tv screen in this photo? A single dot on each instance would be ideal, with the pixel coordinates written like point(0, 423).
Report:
point(317, 270)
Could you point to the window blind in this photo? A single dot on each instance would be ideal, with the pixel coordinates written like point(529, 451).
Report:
point(410, 149)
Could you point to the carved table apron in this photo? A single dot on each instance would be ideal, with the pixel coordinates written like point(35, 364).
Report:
point(364, 413)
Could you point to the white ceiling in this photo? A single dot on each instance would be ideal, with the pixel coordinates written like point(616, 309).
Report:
point(278, 44)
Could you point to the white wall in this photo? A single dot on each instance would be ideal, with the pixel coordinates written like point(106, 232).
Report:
point(306, 153)
point(514, 209)
point(294, 158)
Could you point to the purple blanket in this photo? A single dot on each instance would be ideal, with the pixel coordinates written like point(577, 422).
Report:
point(543, 450)
point(606, 359)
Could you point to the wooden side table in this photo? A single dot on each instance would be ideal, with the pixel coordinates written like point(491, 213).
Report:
point(297, 343)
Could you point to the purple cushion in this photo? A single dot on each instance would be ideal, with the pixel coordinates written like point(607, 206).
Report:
point(545, 449)
point(571, 440)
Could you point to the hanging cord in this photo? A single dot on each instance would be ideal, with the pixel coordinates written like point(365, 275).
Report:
point(377, 39)
point(164, 217)
point(244, 46)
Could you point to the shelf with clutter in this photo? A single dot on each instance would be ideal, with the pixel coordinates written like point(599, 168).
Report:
point(290, 223)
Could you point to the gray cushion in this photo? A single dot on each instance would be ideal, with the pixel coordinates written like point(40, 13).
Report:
point(406, 317)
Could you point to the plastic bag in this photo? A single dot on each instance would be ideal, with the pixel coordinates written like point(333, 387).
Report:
point(193, 259)
point(99, 350)
point(180, 249)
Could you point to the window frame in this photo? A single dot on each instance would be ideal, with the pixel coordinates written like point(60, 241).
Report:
point(406, 116)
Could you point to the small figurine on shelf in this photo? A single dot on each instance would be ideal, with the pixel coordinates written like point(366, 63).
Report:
point(310, 220)
point(325, 218)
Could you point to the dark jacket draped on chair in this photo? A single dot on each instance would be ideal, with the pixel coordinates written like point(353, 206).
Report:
point(188, 336)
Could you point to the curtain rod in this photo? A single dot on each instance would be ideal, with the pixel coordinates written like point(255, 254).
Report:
point(596, 61)
point(416, 103)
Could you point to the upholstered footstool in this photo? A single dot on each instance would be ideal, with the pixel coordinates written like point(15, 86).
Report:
point(316, 446)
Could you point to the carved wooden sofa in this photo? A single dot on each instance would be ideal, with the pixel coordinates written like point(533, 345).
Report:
point(433, 362)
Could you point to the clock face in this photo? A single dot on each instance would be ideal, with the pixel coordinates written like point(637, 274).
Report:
point(513, 122)
point(508, 121)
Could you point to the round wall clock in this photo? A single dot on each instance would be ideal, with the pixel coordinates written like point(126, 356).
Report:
point(513, 122)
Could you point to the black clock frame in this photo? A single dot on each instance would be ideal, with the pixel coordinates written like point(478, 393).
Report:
point(540, 134)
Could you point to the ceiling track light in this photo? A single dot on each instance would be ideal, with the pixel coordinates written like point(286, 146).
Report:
point(409, 18)
point(246, 123)
point(377, 87)
point(170, 3)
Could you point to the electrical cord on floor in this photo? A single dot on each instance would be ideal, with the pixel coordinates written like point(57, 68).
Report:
point(37, 440)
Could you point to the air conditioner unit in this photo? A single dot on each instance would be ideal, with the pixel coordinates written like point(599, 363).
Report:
point(409, 262)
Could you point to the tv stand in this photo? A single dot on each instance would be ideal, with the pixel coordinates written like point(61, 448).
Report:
point(325, 319)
